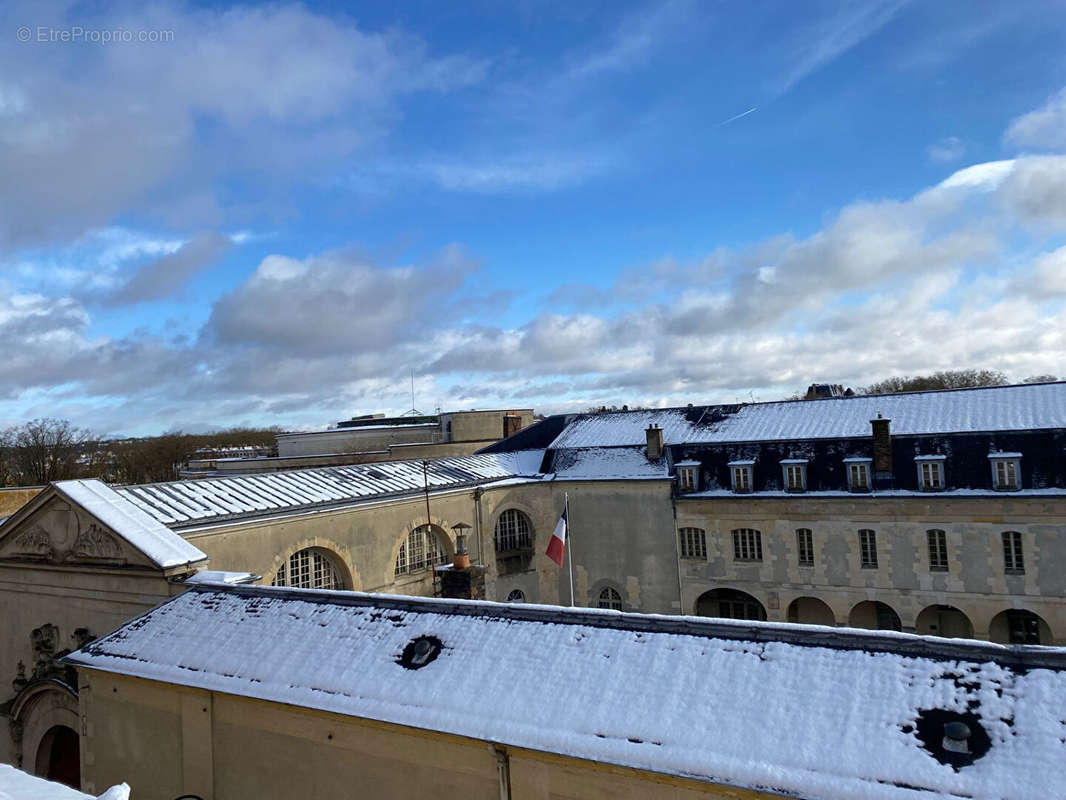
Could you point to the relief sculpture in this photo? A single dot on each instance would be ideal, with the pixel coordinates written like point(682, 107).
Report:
point(95, 543)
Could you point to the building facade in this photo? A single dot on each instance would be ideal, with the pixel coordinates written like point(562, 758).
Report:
point(938, 513)
point(229, 692)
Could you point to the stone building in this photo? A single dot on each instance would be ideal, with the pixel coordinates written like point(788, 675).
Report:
point(375, 438)
point(938, 512)
point(226, 693)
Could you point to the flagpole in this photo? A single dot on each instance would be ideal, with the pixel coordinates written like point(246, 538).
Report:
point(569, 544)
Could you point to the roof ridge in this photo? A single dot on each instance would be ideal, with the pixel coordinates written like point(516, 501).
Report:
point(1018, 657)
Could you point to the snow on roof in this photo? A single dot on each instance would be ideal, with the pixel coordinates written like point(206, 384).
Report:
point(798, 710)
point(160, 544)
point(996, 408)
point(604, 463)
point(221, 576)
point(18, 785)
point(179, 504)
point(1004, 455)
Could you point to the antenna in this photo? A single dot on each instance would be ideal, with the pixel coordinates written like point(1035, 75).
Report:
point(413, 412)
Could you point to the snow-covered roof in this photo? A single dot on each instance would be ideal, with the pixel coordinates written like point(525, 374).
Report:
point(221, 576)
point(180, 504)
point(799, 710)
point(161, 545)
point(603, 463)
point(18, 785)
point(996, 408)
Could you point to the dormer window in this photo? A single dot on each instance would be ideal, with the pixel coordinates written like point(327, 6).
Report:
point(794, 474)
point(858, 470)
point(688, 476)
point(742, 475)
point(930, 472)
point(1006, 471)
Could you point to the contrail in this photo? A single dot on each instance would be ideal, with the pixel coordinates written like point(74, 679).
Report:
point(751, 110)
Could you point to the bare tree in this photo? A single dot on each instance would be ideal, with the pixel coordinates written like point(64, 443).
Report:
point(1040, 379)
point(45, 450)
point(945, 379)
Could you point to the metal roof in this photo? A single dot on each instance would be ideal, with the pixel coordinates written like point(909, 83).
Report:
point(182, 504)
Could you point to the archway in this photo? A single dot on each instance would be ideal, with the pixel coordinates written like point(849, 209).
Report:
point(1019, 626)
point(58, 758)
point(946, 621)
point(729, 604)
point(810, 611)
point(875, 616)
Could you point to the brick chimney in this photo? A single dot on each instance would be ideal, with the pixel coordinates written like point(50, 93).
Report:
point(655, 441)
point(883, 475)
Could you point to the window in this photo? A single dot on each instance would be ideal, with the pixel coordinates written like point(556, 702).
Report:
point(1006, 469)
point(688, 476)
point(930, 473)
point(805, 547)
point(693, 543)
point(747, 545)
point(1012, 553)
point(858, 474)
point(794, 471)
point(610, 598)
point(868, 549)
point(513, 531)
point(741, 471)
point(420, 551)
point(1023, 626)
point(938, 551)
point(516, 596)
point(308, 569)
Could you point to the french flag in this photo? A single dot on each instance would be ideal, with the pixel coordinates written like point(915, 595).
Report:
point(557, 545)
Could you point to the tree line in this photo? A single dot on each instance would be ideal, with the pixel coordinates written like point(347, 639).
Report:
point(45, 450)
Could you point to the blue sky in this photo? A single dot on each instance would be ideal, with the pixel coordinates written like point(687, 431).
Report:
point(276, 213)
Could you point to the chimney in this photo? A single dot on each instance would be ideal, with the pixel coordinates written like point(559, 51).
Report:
point(655, 441)
point(512, 424)
point(882, 452)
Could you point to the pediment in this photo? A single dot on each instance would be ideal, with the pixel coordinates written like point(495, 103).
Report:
point(52, 530)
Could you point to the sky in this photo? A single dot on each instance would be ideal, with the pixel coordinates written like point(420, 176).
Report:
point(281, 214)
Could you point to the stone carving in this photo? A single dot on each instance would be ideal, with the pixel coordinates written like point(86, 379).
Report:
point(33, 542)
point(95, 543)
point(45, 641)
point(20, 678)
point(60, 535)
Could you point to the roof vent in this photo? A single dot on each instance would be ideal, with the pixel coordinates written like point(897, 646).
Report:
point(419, 652)
point(951, 737)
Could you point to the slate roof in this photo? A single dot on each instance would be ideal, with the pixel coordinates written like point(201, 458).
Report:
point(798, 710)
point(997, 408)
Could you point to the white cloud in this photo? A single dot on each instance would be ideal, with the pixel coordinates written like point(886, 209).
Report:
point(270, 94)
point(987, 176)
point(827, 38)
point(1042, 129)
point(946, 150)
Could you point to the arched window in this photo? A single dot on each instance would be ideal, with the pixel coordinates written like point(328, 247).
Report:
point(516, 596)
point(513, 531)
point(309, 569)
point(421, 550)
point(610, 598)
